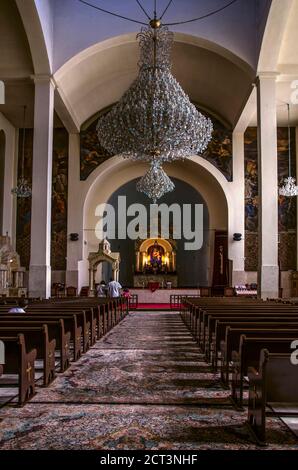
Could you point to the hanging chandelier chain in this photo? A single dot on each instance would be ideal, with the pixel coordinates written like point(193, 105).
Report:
point(23, 143)
point(166, 9)
point(289, 187)
point(289, 138)
point(111, 13)
point(214, 12)
point(208, 15)
point(143, 9)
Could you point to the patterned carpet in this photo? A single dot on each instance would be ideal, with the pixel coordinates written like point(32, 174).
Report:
point(143, 386)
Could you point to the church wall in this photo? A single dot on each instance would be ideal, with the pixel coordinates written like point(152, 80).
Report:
point(287, 210)
point(9, 203)
point(59, 202)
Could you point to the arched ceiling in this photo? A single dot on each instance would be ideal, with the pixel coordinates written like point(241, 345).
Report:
point(78, 27)
point(100, 75)
point(16, 64)
point(37, 35)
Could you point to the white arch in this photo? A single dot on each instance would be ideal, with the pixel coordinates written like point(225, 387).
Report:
point(41, 55)
point(273, 35)
point(98, 76)
point(116, 172)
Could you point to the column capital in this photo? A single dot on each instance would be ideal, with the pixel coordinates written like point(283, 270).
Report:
point(266, 76)
point(44, 78)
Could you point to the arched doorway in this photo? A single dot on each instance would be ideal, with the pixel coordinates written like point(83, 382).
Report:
point(104, 181)
point(192, 267)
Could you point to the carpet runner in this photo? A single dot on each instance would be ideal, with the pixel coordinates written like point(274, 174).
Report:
point(143, 386)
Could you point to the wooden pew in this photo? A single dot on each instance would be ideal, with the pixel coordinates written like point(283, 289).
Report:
point(216, 333)
point(56, 331)
point(223, 339)
point(20, 361)
point(70, 324)
point(84, 318)
point(36, 337)
point(274, 384)
point(248, 355)
point(243, 311)
point(205, 318)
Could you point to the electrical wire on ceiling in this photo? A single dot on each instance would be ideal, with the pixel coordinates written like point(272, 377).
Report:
point(207, 15)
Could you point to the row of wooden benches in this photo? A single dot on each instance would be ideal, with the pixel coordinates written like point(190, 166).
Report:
point(48, 331)
point(250, 340)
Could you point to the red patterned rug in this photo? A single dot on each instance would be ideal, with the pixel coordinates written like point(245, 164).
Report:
point(155, 307)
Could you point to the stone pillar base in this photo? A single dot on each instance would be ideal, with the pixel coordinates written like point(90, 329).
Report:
point(268, 282)
point(40, 281)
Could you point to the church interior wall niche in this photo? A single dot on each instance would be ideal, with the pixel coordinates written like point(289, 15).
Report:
point(287, 213)
point(219, 151)
point(192, 267)
point(59, 201)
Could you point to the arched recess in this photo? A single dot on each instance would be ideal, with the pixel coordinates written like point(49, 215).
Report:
point(164, 243)
point(2, 172)
point(115, 172)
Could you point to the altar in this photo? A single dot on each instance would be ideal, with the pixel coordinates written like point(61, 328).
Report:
point(11, 271)
point(155, 263)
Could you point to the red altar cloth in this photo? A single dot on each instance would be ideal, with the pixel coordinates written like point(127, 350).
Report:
point(153, 286)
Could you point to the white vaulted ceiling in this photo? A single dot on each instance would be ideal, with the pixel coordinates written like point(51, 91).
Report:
point(214, 78)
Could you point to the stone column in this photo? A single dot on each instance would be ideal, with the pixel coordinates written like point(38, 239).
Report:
point(237, 222)
point(40, 269)
point(268, 187)
point(75, 209)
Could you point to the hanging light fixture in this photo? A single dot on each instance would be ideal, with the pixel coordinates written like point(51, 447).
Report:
point(23, 189)
point(289, 188)
point(155, 183)
point(155, 121)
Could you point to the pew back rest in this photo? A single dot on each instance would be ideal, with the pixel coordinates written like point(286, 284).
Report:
point(281, 378)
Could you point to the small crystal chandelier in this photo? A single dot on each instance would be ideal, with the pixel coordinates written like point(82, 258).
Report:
point(155, 183)
point(155, 121)
point(289, 188)
point(23, 189)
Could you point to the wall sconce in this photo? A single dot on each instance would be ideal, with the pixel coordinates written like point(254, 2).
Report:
point(74, 237)
point(237, 237)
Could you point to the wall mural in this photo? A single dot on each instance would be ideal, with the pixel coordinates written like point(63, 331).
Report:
point(23, 229)
point(92, 154)
point(59, 201)
point(287, 215)
point(219, 151)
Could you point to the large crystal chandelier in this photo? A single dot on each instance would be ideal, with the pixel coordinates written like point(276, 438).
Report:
point(155, 121)
point(289, 188)
point(23, 189)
